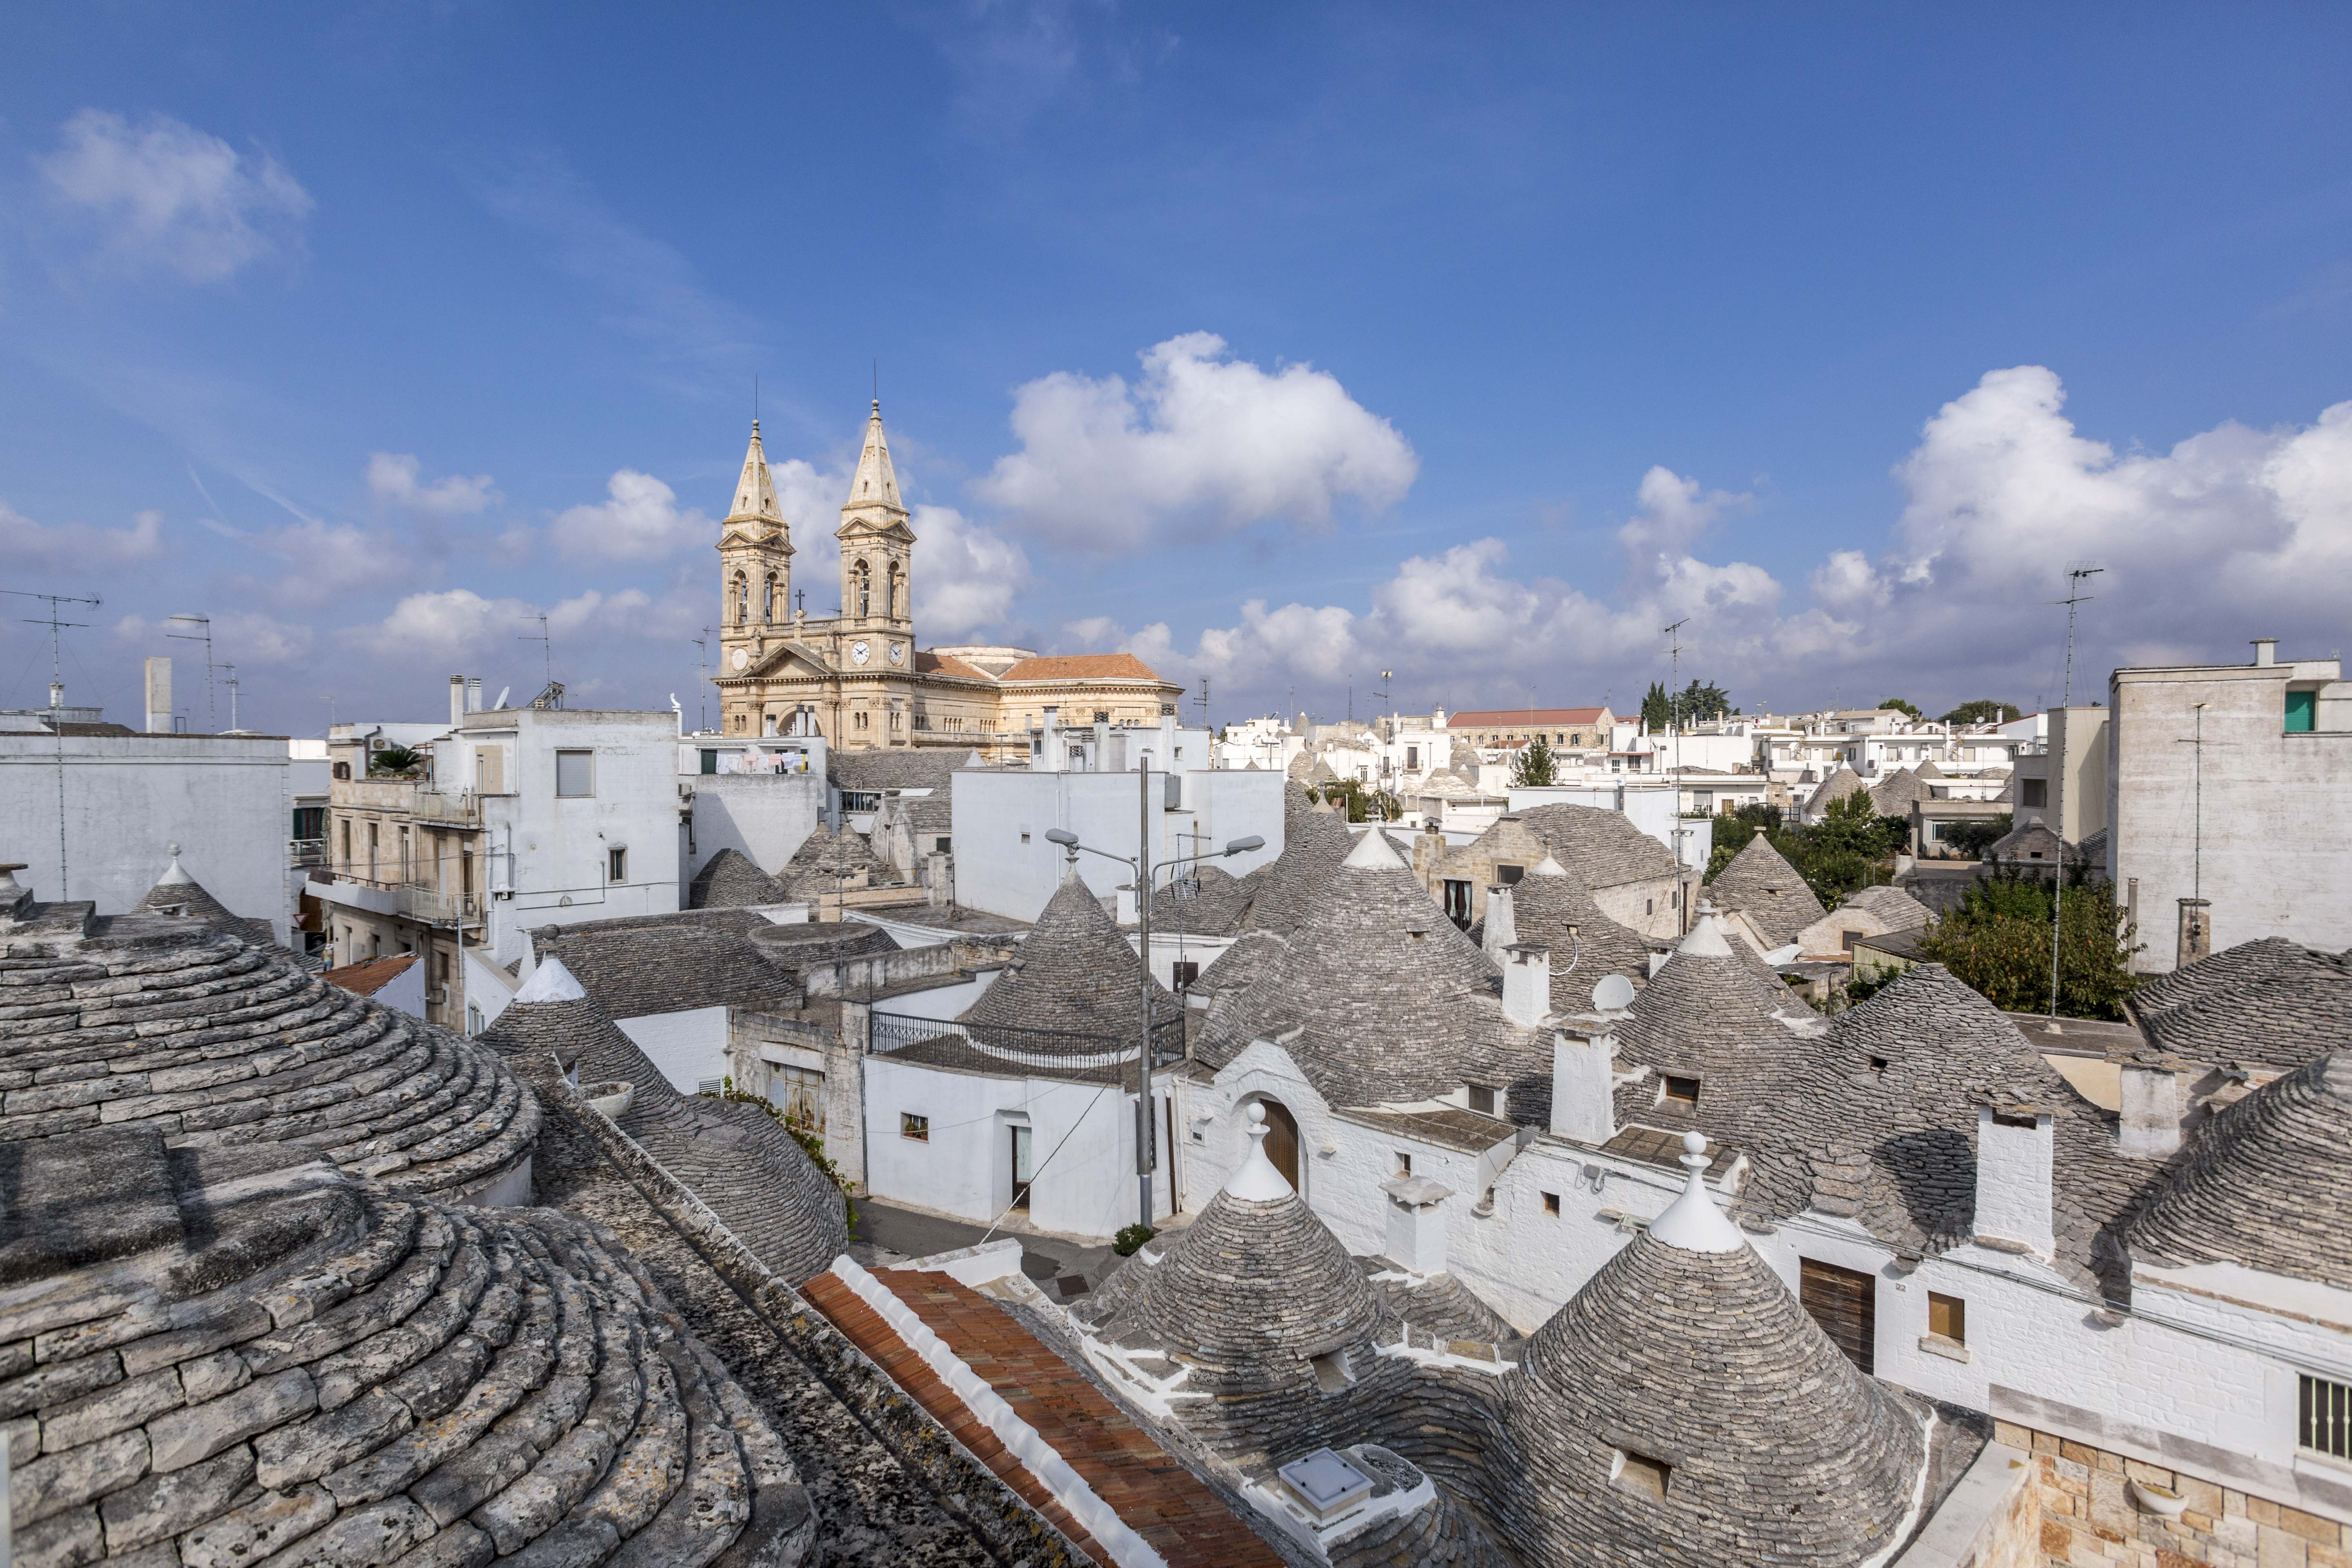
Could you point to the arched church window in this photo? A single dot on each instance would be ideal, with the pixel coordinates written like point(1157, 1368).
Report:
point(742, 599)
point(892, 607)
point(864, 590)
point(768, 600)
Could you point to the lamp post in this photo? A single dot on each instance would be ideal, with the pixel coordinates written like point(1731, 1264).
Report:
point(1140, 863)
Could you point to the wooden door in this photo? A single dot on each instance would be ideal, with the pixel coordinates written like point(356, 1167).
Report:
point(1844, 1303)
point(1282, 1141)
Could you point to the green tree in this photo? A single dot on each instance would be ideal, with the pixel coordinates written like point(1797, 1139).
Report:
point(1982, 711)
point(1360, 805)
point(395, 760)
point(1696, 704)
point(1901, 705)
point(1536, 765)
point(1998, 941)
point(1975, 838)
point(1657, 708)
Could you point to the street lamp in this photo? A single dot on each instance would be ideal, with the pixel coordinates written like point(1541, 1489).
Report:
point(1140, 864)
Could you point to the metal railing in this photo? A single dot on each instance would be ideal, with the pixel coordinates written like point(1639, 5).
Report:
point(435, 906)
point(306, 852)
point(889, 1032)
point(459, 809)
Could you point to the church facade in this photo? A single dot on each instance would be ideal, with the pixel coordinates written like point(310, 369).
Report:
point(857, 679)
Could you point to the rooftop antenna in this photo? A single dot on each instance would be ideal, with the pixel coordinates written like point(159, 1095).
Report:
point(2197, 848)
point(1204, 706)
point(546, 647)
point(1673, 726)
point(212, 713)
point(232, 697)
point(56, 709)
point(702, 668)
point(2077, 573)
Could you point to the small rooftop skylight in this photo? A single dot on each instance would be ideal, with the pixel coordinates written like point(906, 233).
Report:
point(1327, 1482)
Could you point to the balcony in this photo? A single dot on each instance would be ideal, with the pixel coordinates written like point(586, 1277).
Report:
point(404, 900)
point(306, 853)
point(431, 906)
point(460, 809)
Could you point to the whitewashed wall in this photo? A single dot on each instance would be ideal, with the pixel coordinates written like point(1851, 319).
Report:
point(687, 1047)
point(1082, 1142)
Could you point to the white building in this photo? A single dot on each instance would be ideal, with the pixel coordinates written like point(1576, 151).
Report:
point(93, 810)
point(2231, 784)
point(523, 817)
point(1085, 782)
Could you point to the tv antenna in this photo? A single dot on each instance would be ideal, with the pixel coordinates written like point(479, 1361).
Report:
point(702, 668)
point(1205, 706)
point(1672, 634)
point(546, 647)
point(2077, 573)
point(212, 709)
point(57, 707)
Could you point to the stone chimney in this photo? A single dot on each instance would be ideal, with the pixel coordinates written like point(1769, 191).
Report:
point(2153, 1106)
point(159, 696)
point(473, 694)
point(457, 700)
point(1583, 1083)
point(1415, 1238)
point(2265, 652)
point(1527, 984)
point(2014, 1144)
point(2196, 932)
point(1050, 760)
point(938, 878)
point(1502, 926)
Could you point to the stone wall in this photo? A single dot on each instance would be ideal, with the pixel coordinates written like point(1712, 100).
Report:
point(1007, 1526)
point(2090, 1516)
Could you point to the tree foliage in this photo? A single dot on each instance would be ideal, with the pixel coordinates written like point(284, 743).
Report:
point(1536, 765)
point(1997, 940)
point(1695, 703)
point(396, 759)
point(1982, 711)
point(1853, 848)
point(1902, 705)
point(1975, 838)
point(1361, 804)
point(1657, 709)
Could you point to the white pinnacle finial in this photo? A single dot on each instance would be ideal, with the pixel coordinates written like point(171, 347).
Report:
point(1706, 939)
point(1255, 1178)
point(174, 874)
point(1692, 1222)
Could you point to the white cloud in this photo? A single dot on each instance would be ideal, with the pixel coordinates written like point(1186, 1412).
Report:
point(2231, 534)
point(66, 546)
point(171, 197)
point(459, 624)
point(640, 520)
point(965, 575)
point(326, 562)
point(1202, 441)
point(391, 478)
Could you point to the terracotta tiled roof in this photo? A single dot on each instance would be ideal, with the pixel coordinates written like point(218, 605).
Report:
point(1155, 1497)
point(1495, 718)
point(1082, 667)
point(929, 663)
point(368, 978)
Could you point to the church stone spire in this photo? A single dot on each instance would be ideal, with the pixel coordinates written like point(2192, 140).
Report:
point(755, 493)
point(876, 482)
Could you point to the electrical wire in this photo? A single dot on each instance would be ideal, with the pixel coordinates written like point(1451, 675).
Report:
point(1042, 1163)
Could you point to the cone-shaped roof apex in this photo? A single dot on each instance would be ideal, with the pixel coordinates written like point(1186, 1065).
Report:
point(755, 493)
point(876, 483)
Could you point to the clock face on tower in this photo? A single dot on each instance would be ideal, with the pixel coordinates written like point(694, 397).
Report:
point(858, 652)
point(742, 656)
point(897, 653)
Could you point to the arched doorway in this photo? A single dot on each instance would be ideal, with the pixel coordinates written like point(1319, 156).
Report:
point(1282, 1142)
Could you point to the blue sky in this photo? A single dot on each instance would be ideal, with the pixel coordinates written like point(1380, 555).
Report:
point(1281, 344)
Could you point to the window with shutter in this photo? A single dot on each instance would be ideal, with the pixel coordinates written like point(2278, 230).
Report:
point(1843, 1301)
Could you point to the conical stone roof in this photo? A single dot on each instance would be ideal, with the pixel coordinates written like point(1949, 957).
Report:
point(1707, 1015)
point(755, 493)
point(735, 1157)
point(1841, 783)
point(1392, 1000)
point(1073, 974)
point(1286, 889)
point(729, 880)
point(1548, 901)
point(1248, 1296)
point(287, 1359)
point(176, 893)
point(876, 483)
point(2264, 1183)
point(1775, 1447)
point(210, 1040)
point(1760, 884)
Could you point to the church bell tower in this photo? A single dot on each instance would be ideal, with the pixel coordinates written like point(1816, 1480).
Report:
point(755, 567)
point(877, 560)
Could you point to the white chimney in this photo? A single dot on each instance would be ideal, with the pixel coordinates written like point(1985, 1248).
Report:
point(1051, 759)
point(2013, 1177)
point(1583, 1086)
point(1502, 924)
point(1527, 984)
point(2266, 651)
point(474, 694)
point(457, 700)
point(159, 696)
point(1416, 1224)
point(2150, 1126)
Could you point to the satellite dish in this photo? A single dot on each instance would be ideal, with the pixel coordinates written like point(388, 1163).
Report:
point(1613, 993)
point(502, 697)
